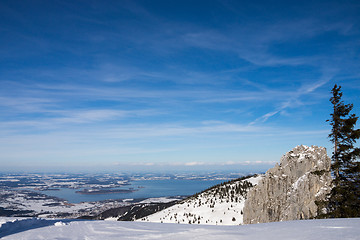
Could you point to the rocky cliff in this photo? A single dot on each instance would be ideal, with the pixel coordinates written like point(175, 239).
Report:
point(289, 190)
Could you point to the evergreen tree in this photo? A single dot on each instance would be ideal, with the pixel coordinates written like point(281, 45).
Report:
point(344, 198)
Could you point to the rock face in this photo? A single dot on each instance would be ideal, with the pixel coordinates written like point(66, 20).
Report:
point(289, 190)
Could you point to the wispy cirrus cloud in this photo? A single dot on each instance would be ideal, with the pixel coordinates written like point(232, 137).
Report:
point(294, 100)
point(254, 43)
point(139, 82)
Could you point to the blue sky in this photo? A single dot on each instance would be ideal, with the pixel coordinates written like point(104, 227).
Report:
point(118, 85)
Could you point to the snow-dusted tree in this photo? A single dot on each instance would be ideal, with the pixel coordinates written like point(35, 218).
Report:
point(344, 199)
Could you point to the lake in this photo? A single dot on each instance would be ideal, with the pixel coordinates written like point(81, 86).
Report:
point(146, 189)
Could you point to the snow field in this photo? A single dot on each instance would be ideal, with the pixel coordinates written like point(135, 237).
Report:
point(220, 205)
point(330, 229)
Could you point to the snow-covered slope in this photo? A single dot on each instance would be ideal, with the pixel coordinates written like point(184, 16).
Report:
point(31, 229)
point(219, 205)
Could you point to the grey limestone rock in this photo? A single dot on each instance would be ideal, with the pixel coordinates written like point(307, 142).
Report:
point(289, 190)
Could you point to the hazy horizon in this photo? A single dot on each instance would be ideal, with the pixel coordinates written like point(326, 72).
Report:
point(143, 169)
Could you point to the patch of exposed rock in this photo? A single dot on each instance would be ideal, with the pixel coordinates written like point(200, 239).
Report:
point(289, 190)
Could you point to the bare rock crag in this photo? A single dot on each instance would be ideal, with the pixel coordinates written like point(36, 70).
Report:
point(289, 190)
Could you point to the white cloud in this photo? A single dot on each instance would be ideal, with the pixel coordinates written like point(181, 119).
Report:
point(192, 164)
point(294, 100)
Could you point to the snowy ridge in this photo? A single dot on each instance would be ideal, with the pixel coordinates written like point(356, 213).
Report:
point(50, 229)
point(219, 205)
point(160, 200)
point(14, 225)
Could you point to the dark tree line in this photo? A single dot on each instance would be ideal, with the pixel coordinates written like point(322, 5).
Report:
point(344, 198)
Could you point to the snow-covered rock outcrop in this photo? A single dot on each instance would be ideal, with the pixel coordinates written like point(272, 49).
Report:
point(289, 190)
point(220, 205)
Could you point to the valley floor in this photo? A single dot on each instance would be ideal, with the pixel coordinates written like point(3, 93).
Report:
point(330, 229)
